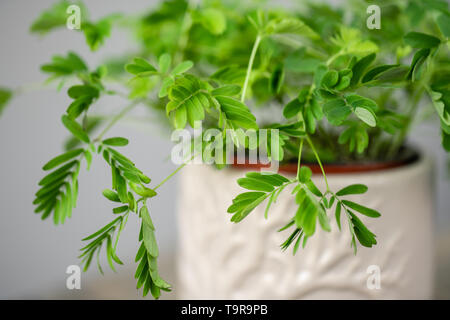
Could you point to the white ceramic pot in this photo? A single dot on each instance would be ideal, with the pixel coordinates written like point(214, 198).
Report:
point(221, 260)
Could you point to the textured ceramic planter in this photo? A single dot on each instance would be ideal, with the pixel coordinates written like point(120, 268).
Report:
point(222, 260)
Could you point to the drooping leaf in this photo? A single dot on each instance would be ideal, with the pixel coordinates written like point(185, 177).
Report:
point(362, 209)
point(352, 189)
point(421, 40)
point(75, 128)
point(62, 159)
point(117, 141)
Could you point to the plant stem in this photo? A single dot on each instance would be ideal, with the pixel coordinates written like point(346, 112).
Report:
point(404, 131)
point(299, 158)
point(116, 118)
point(250, 66)
point(332, 58)
point(319, 162)
point(175, 172)
point(186, 25)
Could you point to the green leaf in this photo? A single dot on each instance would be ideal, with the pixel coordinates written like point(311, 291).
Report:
point(361, 209)
point(145, 215)
point(213, 20)
point(305, 174)
point(111, 195)
point(227, 90)
point(446, 141)
point(150, 241)
point(53, 17)
point(255, 184)
point(277, 79)
point(5, 96)
point(421, 40)
point(418, 60)
point(360, 67)
point(65, 66)
point(120, 209)
point(357, 101)
point(338, 214)
point(376, 71)
point(140, 67)
point(180, 117)
point(336, 111)
point(330, 79)
point(292, 108)
point(78, 91)
point(95, 33)
point(345, 77)
point(364, 235)
point(102, 230)
point(350, 41)
point(143, 191)
point(58, 174)
point(237, 113)
point(366, 115)
point(117, 142)
point(324, 221)
point(75, 129)
point(164, 62)
point(312, 187)
point(232, 74)
point(308, 211)
point(443, 22)
point(62, 159)
point(352, 189)
point(290, 26)
point(188, 99)
point(243, 207)
point(166, 84)
point(78, 106)
point(182, 68)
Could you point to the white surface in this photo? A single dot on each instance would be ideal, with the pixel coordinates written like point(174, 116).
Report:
point(222, 260)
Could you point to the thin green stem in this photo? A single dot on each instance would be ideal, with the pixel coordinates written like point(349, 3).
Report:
point(175, 172)
point(332, 58)
point(250, 66)
point(319, 162)
point(116, 118)
point(186, 25)
point(404, 131)
point(299, 158)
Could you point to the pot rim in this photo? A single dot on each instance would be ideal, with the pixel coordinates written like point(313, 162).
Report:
point(409, 157)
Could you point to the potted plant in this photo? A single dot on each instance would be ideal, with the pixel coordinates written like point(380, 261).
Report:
point(336, 101)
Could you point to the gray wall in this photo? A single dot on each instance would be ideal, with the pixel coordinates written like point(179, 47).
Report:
point(34, 254)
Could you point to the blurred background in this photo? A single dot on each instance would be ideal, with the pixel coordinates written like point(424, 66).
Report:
point(34, 255)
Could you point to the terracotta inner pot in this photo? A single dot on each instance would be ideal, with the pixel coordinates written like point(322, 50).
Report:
point(408, 156)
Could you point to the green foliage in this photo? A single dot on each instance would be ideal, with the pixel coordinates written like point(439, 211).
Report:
point(266, 185)
point(103, 237)
point(212, 19)
point(5, 97)
point(147, 274)
point(421, 40)
point(233, 67)
point(65, 66)
point(97, 32)
point(54, 17)
point(58, 190)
